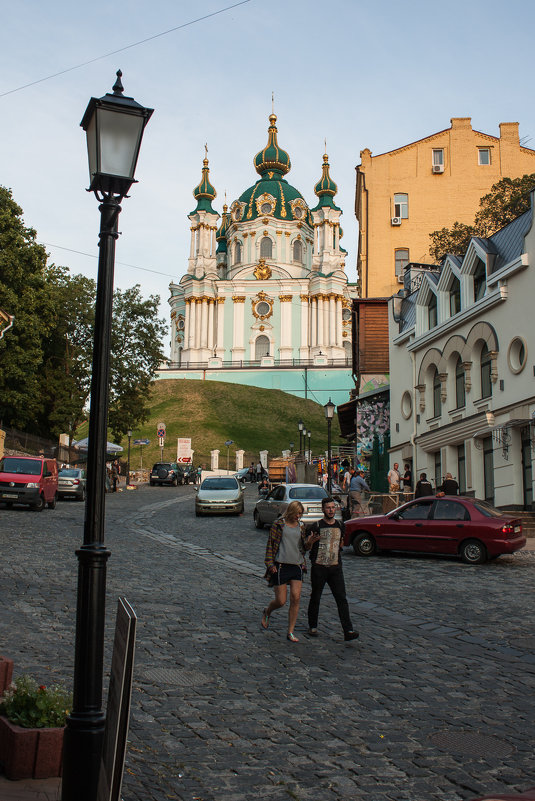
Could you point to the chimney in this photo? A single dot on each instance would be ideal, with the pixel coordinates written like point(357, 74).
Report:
point(461, 122)
point(509, 132)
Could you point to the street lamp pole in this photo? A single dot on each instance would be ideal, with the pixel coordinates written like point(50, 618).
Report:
point(329, 414)
point(305, 443)
point(129, 435)
point(114, 125)
point(309, 434)
point(300, 426)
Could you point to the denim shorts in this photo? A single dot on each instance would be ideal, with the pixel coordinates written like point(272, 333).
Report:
point(285, 573)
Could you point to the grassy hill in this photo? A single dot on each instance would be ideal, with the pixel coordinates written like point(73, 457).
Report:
point(211, 412)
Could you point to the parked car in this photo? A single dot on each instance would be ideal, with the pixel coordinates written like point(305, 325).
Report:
point(29, 480)
point(242, 475)
point(166, 473)
point(465, 527)
point(219, 494)
point(71, 483)
point(275, 503)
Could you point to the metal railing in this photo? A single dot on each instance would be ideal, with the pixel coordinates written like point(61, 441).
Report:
point(229, 364)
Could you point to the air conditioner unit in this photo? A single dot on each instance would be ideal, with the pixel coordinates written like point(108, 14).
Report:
point(395, 221)
point(437, 168)
point(401, 279)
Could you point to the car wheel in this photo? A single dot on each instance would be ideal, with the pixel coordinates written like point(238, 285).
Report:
point(258, 523)
point(151, 483)
point(473, 552)
point(197, 513)
point(8, 504)
point(40, 505)
point(364, 545)
point(52, 504)
point(81, 497)
point(175, 482)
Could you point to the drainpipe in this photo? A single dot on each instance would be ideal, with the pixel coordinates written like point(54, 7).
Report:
point(414, 413)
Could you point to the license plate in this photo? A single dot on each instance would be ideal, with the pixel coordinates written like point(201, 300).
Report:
point(8, 495)
point(518, 529)
point(314, 508)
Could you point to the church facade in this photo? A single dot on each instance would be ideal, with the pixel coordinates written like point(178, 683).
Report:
point(265, 285)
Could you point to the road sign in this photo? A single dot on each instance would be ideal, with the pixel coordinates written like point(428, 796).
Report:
point(161, 441)
point(160, 428)
point(142, 442)
point(183, 450)
point(229, 442)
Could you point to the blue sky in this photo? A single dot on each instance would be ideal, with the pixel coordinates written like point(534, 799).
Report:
point(357, 74)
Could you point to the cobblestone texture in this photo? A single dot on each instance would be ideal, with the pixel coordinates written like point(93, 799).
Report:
point(225, 711)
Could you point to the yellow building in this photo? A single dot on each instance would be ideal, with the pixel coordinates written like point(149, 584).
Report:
point(404, 195)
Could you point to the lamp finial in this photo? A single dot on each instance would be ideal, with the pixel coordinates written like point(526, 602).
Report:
point(118, 88)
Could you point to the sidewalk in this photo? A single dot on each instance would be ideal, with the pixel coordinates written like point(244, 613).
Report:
point(30, 789)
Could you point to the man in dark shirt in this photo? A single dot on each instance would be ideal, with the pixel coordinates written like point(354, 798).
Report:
point(423, 487)
point(449, 486)
point(325, 539)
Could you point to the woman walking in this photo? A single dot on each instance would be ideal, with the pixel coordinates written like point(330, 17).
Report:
point(285, 563)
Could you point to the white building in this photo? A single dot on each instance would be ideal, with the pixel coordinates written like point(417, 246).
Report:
point(265, 285)
point(462, 368)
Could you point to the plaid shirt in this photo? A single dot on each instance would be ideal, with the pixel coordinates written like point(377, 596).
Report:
point(274, 541)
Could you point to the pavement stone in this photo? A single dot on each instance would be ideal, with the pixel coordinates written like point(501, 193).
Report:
point(222, 710)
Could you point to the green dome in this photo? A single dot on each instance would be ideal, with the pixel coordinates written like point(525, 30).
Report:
point(283, 194)
point(221, 235)
point(204, 193)
point(272, 159)
point(326, 188)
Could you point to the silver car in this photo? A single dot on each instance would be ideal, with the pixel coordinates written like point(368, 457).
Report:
point(219, 495)
point(71, 483)
point(274, 505)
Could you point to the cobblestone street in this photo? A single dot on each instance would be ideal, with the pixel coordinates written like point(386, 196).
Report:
point(434, 702)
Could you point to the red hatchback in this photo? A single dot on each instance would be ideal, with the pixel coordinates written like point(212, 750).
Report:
point(466, 527)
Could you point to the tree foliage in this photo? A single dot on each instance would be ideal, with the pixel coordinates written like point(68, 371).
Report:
point(46, 358)
point(507, 200)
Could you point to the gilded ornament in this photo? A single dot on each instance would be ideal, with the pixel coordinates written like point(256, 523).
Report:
point(238, 298)
point(220, 300)
point(285, 298)
point(304, 298)
point(262, 270)
point(283, 203)
point(344, 333)
point(262, 328)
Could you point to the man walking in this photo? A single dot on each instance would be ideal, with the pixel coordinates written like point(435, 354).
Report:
point(357, 486)
point(325, 539)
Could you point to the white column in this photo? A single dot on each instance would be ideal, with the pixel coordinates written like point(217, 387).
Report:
point(320, 320)
point(186, 325)
point(339, 338)
point(214, 245)
point(204, 323)
point(192, 315)
point(198, 315)
point(304, 322)
point(238, 346)
point(332, 321)
point(313, 322)
point(192, 243)
point(220, 322)
point(211, 307)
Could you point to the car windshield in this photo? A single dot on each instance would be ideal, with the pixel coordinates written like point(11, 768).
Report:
point(69, 472)
point(165, 466)
point(307, 493)
point(31, 467)
point(219, 483)
point(487, 508)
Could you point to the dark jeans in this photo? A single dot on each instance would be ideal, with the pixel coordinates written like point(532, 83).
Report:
point(334, 577)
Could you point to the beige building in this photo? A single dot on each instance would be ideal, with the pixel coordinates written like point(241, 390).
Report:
point(404, 195)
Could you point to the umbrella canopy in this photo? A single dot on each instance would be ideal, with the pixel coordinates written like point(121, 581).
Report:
point(111, 448)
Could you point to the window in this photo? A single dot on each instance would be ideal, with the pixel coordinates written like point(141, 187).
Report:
point(237, 253)
point(460, 395)
point(437, 400)
point(266, 247)
point(261, 347)
point(432, 314)
point(401, 259)
point(438, 469)
point(450, 510)
point(438, 158)
point(401, 205)
point(480, 280)
point(416, 511)
point(455, 297)
point(483, 156)
point(298, 251)
point(486, 383)
point(461, 468)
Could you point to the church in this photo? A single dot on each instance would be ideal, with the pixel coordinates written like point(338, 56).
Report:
point(265, 285)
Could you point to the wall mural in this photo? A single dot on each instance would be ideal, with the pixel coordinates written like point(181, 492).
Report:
point(373, 418)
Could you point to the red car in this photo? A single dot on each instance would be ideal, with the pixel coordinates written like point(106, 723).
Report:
point(467, 527)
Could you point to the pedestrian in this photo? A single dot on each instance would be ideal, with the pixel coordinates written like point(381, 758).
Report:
point(258, 472)
point(394, 478)
point(199, 474)
point(357, 486)
point(285, 564)
point(114, 476)
point(423, 487)
point(346, 478)
point(325, 539)
point(251, 472)
point(263, 487)
point(407, 480)
point(449, 486)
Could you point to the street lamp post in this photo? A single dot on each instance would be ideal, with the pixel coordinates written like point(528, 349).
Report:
point(329, 414)
point(305, 443)
point(129, 435)
point(114, 126)
point(291, 447)
point(228, 443)
point(300, 426)
point(309, 434)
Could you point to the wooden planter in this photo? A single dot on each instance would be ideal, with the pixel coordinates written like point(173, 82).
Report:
point(30, 753)
point(6, 673)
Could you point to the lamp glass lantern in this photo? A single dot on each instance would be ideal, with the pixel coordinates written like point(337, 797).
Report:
point(329, 410)
point(114, 126)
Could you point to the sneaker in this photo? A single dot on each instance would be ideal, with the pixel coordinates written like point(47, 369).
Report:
point(351, 635)
point(313, 632)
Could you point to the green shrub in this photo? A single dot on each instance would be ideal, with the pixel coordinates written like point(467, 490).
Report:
point(33, 705)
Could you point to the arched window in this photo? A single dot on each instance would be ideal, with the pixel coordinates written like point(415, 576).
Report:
point(401, 259)
point(437, 402)
point(480, 280)
point(266, 247)
point(460, 392)
point(261, 347)
point(298, 251)
point(432, 314)
point(237, 253)
point(455, 297)
point(486, 383)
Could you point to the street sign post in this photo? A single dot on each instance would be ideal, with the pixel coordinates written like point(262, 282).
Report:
point(228, 443)
point(141, 442)
point(160, 430)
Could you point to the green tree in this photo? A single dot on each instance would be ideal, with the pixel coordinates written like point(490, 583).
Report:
point(507, 200)
point(25, 293)
point(136, 355)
